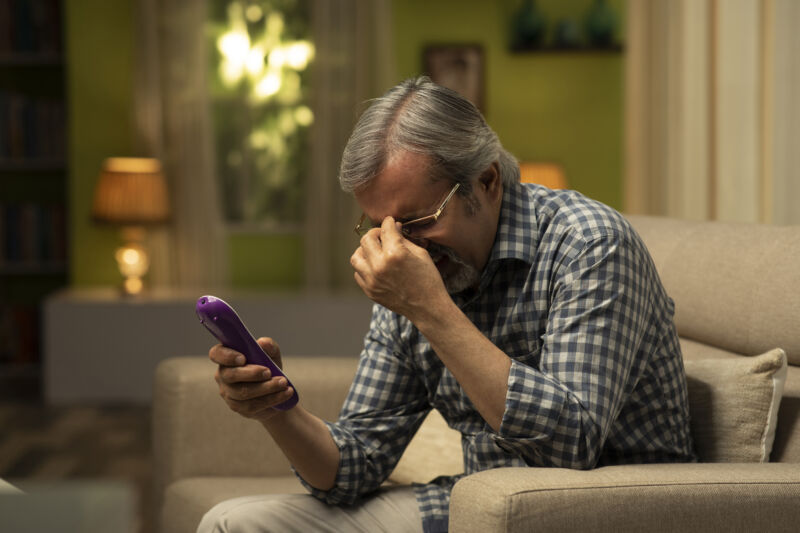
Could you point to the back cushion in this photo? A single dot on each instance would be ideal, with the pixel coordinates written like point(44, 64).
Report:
point(734, 404)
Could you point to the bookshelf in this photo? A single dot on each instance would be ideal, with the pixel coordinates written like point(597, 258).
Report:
point(33, 183)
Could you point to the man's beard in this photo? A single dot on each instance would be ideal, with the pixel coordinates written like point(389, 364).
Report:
point(462, 277)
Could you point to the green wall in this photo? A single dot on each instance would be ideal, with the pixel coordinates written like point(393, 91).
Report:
point(563, 107)
point(100, 51)
point(99, 47)
point(544, 106)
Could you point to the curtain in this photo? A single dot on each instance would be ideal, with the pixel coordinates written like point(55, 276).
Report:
point(710, 111)
point(172, 123)
point(353, 63)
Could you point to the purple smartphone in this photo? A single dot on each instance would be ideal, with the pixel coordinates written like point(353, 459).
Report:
point(222, 321)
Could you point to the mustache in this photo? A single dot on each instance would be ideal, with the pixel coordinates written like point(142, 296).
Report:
point(437, 251)
point(464, 275)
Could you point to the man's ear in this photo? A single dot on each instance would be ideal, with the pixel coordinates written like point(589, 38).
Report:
point(491, 182)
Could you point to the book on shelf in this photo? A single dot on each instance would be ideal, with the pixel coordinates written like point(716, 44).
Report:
point(31, 129)
point(19, 326)
point(32, 238)
point(30, 28)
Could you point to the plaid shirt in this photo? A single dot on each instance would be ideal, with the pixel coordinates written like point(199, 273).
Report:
point(571, 295)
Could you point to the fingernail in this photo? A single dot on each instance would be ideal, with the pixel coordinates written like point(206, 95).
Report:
point(239, 359)
point(267, 374)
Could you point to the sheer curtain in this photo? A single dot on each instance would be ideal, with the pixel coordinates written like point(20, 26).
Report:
point(711, 109)
point(173, 124)
point(353, 63)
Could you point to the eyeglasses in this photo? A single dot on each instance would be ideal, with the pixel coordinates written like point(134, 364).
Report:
point(412, 226)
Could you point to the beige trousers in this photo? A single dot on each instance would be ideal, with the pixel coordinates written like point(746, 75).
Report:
point(391, 509)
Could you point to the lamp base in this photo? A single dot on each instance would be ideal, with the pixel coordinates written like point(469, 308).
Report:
point(132, 286)
point(132, 260)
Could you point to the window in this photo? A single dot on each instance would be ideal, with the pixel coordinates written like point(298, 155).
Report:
point(260, 54)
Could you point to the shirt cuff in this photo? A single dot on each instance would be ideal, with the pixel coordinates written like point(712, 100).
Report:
point(345, 488)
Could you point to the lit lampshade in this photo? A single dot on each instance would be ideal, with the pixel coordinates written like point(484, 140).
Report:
point(550, 175)
point(131, 193)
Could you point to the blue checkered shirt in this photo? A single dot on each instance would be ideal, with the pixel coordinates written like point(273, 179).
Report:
point(571, 295)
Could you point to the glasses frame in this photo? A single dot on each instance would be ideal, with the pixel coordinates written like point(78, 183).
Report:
point(360, 231)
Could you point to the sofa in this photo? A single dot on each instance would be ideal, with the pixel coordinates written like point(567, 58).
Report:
point(737, 293)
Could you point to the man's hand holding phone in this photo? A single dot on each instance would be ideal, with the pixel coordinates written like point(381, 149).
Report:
point(250, 390)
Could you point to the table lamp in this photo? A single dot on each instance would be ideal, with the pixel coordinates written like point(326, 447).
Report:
point(131, 193)
point(551, 175)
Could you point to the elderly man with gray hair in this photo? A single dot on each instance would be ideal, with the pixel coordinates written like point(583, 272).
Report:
point(533, 320)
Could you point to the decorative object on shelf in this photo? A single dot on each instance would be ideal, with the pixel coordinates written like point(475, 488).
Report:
point(458, 67)
point(551, 175)
point(601, 24)
point(567, 35)
point(592, 27)
point(528, 27)
point(131, 193)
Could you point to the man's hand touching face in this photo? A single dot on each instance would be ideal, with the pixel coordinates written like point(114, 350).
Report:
point(395, 272)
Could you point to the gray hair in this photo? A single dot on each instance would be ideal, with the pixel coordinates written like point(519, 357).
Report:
point(422, 117)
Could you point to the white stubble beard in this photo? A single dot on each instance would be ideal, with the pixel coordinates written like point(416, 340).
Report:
point(465, 275)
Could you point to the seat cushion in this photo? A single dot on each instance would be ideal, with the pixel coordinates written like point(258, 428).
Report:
point(187, 500)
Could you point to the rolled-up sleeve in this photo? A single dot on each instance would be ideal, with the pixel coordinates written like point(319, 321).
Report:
point(560, 413)
point(386, 405)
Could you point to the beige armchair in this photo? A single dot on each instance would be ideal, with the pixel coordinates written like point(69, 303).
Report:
point(737, 294)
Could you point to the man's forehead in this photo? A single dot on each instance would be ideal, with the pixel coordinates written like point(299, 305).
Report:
point(404, 189)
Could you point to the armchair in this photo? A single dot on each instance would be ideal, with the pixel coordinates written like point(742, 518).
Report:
point(736, 292)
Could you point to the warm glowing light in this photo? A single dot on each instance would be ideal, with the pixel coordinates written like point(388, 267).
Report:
point(287, 123)
point(130, 256)
point(291, 91)
point(230, 73)
point(234, 45)
point(133, 264)
point(259, 139)
point(235, 48)
point(253, 13)
point(255, 60)
point(277, 57)
point(274, 23)
point(269, 85)
point(299, 54)
point(303, 115)
point(133, 285)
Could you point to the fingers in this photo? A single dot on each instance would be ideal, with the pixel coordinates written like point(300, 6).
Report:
point(255, 406)
point(371, 243)
point(244, 390)
point(269, 346)
point(247, 373)
point(390, 234)
point(223, 355)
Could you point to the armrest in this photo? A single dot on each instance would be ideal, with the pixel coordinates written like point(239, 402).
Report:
point(660, 497)
point(195, 434)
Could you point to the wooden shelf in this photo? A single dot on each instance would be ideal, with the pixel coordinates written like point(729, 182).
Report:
point(19, 370)
point(32, 165)
point(578, 50)
point(45, 60)
point(33, 269)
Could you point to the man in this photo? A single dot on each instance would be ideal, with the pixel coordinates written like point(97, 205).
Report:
point(532, 319)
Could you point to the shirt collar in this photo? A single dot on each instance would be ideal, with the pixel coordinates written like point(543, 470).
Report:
point(516, 236)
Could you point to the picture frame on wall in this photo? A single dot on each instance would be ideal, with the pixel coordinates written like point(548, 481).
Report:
point(459, 67)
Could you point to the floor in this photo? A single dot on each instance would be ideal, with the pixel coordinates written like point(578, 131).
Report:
point(40, 443)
